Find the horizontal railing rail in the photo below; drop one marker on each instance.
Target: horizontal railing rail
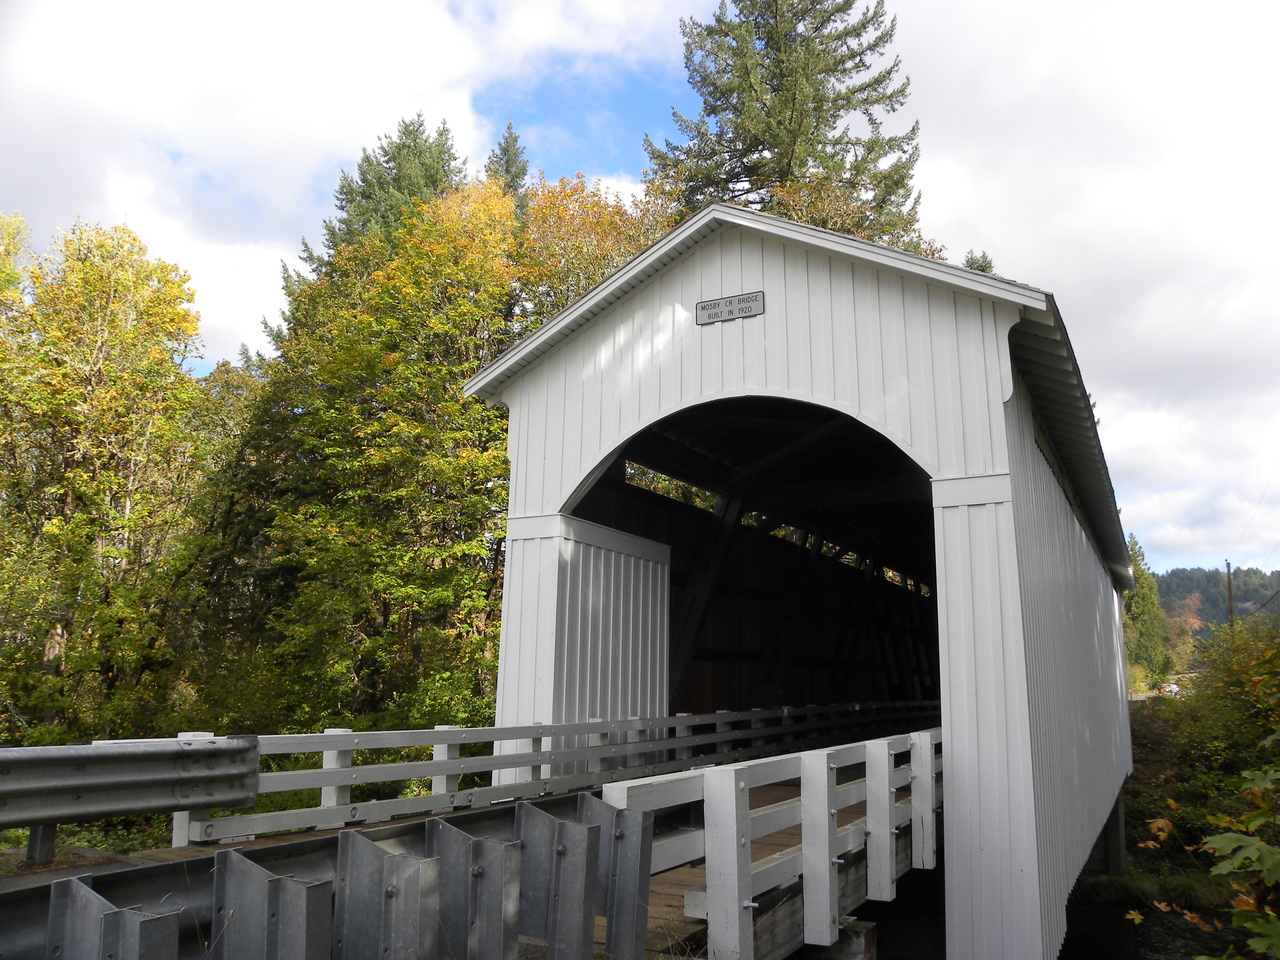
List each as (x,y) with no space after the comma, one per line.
(866,813)
(526,762)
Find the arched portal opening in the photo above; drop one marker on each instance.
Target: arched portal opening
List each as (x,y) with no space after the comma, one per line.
(802,554)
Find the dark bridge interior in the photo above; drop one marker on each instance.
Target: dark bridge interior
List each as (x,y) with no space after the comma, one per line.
(802,561)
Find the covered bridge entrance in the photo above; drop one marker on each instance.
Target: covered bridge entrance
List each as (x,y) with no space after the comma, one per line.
(785,526)
(765,463)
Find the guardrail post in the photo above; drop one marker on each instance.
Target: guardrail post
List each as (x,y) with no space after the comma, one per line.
(924,823)
(818,836)
(880,833)
(41,842)
(730,909)
(445,751)
(183,819)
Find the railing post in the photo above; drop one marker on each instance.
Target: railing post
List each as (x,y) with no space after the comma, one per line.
(757,721)
(723,746)
(543,745)
(924,823)
(880,832)
(730,909)
(597,764)
(818,836)
(445,751)
(337,795)
(634,759)
(183,819)
(683,753)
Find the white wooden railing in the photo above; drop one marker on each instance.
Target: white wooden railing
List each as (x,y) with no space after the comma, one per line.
(888,792)
(535,760)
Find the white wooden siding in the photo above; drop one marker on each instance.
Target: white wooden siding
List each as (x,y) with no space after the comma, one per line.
(1029,644)
(584,626)
(993,905)
(1075,672)
(925,365)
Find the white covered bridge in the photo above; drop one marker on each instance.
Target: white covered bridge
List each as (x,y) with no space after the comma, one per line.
(883,482)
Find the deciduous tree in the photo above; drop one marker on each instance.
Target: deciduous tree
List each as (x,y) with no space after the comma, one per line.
(576,235)
(352,563)
(99,462)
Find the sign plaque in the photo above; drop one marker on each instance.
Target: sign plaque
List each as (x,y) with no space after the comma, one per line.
(730,308)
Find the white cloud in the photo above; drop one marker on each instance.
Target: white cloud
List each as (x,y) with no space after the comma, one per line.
(1111,151)
(1114,152)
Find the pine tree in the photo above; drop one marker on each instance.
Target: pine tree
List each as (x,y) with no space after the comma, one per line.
(781,81)
(388,179)
(1146,628)
(979,261)
(507,162)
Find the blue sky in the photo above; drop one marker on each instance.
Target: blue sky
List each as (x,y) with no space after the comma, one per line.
(1114,152)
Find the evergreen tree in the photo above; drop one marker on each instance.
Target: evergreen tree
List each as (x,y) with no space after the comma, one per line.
(781,81)
(1146,628)
(352,554)
(388,179)
(507,163)
(979,261)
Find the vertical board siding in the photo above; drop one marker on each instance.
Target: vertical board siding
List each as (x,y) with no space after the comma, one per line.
(918,363)
(1075,665)
(993,904)
(526,651)
(584,630)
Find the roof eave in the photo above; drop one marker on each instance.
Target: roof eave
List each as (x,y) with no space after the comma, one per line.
(1042,353)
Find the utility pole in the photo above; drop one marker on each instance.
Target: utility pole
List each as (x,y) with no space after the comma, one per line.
(1231,603)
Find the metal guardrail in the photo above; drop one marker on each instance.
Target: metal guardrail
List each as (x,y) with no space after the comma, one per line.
(41,787)
(463,887)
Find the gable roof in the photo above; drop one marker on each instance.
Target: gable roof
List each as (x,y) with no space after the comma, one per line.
(1039,347)
(488,382)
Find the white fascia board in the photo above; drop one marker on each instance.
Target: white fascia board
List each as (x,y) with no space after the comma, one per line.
(487,383)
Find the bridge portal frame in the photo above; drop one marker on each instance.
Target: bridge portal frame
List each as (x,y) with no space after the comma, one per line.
(973,378)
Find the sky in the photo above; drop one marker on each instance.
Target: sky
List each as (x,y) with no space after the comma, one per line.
(1115,153)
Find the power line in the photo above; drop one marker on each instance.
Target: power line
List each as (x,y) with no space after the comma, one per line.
(1268,600)
(1261,497)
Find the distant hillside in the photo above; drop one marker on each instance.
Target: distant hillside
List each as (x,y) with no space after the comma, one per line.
(1251,588)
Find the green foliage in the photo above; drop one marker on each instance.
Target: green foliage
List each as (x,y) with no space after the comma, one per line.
(1251,588)
(979,261)
(576,234)
(507,165)
(13,247)
(1146,629)
(780,84)
(100,451)
(354,548)
(1187,751)
(1137,680)
(410,166)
